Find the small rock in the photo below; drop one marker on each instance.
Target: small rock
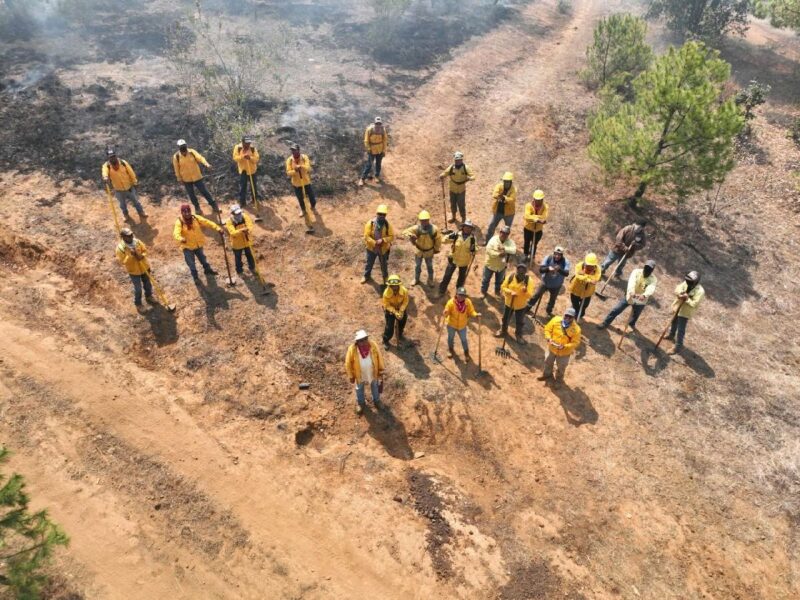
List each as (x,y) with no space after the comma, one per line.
(398,499)
(419,454)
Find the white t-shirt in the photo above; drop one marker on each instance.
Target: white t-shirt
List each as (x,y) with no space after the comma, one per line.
(366,368)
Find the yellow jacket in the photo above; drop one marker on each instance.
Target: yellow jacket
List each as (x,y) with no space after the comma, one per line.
(534,220)
(303,178)
(495,259)
(387,233)
(194,237)
(463,250)
(522,290)
(582,284)
(510,205)
(376,143)
(352,362)
(639,285)
(458,177)
(395,302)
(122,178)
(428,242)
(554,334)
(458,320)
(244,165)
(690,306)
(241,234)
(133,265)
(187,168)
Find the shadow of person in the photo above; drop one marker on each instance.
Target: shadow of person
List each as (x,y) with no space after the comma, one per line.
(320,229)
(269,218)
(600,341)
(389,432)
(215,297)
(163,324)
(413,359)
(265,295)
(577,406)
(646,352)
(144,231)
(697,363)
(392,193)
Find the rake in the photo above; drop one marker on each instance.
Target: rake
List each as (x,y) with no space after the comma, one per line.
(435,354)
(501,350)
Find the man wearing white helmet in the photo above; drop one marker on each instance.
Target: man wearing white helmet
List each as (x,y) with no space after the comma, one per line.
(364,366)
(427,240)
(688,296)
(240,230)
(376,142)
(459,174)
(132,254)
(186,163)
(563,336)
(504,203)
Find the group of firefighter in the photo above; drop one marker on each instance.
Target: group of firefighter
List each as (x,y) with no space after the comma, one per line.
(519,279)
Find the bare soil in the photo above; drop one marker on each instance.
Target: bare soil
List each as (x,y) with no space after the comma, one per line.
(177,449)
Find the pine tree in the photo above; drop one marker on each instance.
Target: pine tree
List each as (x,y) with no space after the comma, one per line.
(27,539)
(702,19)
(677,135)
(781,13)
(619,52)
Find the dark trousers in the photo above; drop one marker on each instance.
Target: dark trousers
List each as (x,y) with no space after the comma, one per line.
(519,319)
(377,159)
(384,262)
(528,237)
(237,257)
(636,310)
(448,275)
(201,186)
(458,200)
(189,257)
(312,199)
(551,300)
(578,302)
(677,331)
(244,180)
(138,282)
(388,331)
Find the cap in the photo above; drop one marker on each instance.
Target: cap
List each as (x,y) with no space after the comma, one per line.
(570,312)
(590,260)
(508,176)
(651,264)
(110,152)
(468,223)
(236,209)
(522,265)
(559,249)
(422,216)
(693,276)
(458,155)
(393,280)
(378,120)
(461,291)
(538,195)
(361,335)
(246,139)
(382,209)
(505,229)
(294,146)
(126,232)
(181,142)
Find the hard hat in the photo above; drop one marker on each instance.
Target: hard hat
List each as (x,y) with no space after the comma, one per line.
(468,223)
(236,209)
(538,195)
(461,291)
(693,276)
(361,335)
(458,156)
(294,146)
(382,209)
(424,215)
(246,139)
(110,152)
(505,229)
(181,142)
(570,312)
(508,176)
(126,232)
(522,265)
(378,120)
(393,280)
(590,260)
(559,250)
(651,264)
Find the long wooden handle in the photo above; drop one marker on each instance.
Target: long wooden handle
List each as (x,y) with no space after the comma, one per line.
(664,333)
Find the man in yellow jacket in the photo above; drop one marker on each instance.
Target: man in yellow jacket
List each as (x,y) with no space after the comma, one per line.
(517,289)
(504,199)
(395,302)
(462,253)
(186,163)
(536,213)
(500,249)
(427,240)
(563,336)
(298,169)
(188,233)
(583,283)
(376,142)
(378,238)
(364,366)
(641,286)
(132,254)
(246,158)
(240,230)
(688,296)
(123,179)
(457,313)
(459,174)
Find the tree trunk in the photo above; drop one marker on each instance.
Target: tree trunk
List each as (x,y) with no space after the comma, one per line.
(633,201)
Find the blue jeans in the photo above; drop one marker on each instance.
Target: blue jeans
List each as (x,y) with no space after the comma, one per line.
(123,197)
(462,334)
(377,159)
(138,281)
(487,277)
(371,258)
(418,267)
(495,221)
(611,258)
(636,310)
(201,186)
(376,395)
(677,331)
(189,256)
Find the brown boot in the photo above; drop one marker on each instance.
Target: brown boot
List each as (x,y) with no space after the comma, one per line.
(450,353)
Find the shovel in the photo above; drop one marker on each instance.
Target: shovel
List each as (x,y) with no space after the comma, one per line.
(599,293)
(159,292)
(308,213)
(113,210)
(435,354)
(231,280)
(256,205)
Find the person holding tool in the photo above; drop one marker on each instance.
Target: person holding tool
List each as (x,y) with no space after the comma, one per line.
(188,232)
(240,230)
(395,302)
(132,254)
(583,283)
(499,251)
(563,335)
(378,238)
(628,241)
(535,219)
(554,269)
(298,169)
(688,296)
(427,240)
(246,158)
(462,253)
(123,179)
(186,163)
(504,198)
(641,286)
(459,174)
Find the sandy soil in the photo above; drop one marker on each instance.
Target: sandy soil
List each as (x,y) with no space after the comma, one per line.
(181,457)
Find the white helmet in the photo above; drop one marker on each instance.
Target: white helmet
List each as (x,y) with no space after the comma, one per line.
(458,156)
